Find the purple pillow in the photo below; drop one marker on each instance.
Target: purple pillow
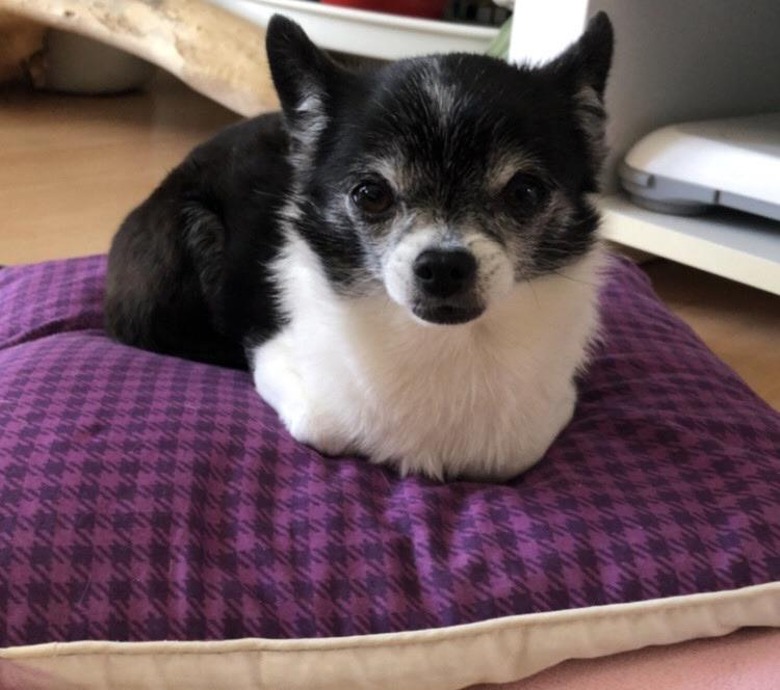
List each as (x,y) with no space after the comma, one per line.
(144,497)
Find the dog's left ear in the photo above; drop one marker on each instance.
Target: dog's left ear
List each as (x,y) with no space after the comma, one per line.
(302,74)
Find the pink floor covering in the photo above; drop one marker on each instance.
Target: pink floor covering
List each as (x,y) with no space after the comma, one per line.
(745,660)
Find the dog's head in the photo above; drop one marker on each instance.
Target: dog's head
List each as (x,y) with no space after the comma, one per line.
(443,180)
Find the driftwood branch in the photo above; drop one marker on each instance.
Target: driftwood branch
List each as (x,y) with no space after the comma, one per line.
(213,51)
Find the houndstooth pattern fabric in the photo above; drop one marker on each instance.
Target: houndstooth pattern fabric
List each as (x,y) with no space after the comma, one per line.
(147,498)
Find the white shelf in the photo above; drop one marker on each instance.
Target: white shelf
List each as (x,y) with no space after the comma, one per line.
(737,246)
(369,34)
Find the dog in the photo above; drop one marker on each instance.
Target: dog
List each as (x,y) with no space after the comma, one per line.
(406,257)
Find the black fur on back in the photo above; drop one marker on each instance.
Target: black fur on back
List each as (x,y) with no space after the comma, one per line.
(188,269)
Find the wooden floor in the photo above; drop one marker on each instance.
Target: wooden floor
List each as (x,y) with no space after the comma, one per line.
(741,324)
(71,167)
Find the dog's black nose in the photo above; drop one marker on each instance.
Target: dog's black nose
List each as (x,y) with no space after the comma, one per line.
(445,272)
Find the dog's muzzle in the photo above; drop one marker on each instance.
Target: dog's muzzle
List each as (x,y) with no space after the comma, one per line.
(445,281)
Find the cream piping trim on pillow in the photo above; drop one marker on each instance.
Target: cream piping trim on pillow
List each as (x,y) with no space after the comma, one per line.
(494,651)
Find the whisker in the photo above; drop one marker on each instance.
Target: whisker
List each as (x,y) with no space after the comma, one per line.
(589,283)
(533,292)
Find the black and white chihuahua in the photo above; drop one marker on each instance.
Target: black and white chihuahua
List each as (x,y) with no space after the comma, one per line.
(406,257)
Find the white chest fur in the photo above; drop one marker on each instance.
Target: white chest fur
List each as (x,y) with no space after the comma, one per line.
(482,400)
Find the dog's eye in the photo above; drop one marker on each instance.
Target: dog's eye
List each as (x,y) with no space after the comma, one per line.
(524,193)
(373,197)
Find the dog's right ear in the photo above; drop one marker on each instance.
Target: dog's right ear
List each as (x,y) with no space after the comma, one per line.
(583,70)
(301,73)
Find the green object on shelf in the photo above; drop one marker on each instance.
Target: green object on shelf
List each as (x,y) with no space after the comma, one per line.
(499,48)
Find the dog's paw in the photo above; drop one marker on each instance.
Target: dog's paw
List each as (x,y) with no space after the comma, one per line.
(318,429)
(279,383)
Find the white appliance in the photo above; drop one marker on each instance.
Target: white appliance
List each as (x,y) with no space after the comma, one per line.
(689,168)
